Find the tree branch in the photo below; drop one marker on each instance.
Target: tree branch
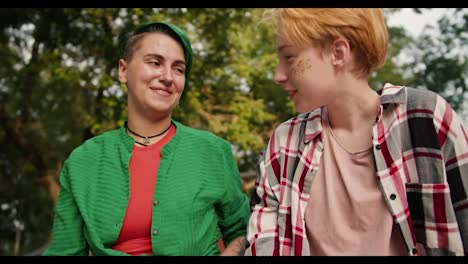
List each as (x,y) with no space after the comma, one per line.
(13,129)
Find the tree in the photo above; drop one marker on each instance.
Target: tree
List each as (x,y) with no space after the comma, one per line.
(438,58)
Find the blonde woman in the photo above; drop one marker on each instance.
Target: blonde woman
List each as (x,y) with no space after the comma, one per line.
(358,171)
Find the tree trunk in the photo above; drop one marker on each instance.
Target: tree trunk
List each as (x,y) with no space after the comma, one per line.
(13,129)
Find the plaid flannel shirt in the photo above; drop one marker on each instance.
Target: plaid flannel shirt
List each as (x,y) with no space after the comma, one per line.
(421,158)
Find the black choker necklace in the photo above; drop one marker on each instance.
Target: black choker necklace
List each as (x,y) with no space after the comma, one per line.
(146,140)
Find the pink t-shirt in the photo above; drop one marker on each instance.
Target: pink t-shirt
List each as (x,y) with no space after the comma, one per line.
(346,213)
(135,237)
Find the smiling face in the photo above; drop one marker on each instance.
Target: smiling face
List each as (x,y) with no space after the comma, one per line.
(155,75)
(306,74)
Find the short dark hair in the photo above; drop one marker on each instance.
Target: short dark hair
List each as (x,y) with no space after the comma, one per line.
(131,42)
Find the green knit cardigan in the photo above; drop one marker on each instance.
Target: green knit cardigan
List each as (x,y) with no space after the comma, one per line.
(198,192)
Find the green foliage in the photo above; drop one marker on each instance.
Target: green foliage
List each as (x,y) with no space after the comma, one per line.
(443,66)
(25,211)
(391,72)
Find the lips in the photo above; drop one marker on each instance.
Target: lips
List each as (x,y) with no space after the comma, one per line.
(161,91)
(291,93)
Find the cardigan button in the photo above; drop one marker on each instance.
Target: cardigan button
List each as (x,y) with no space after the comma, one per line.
(377,146)
(156,202)
(155,232)
(392,196)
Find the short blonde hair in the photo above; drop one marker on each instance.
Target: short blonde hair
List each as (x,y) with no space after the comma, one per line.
(364,28)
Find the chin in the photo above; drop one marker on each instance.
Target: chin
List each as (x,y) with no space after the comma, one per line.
(305,109)
(158,110)
(161,106)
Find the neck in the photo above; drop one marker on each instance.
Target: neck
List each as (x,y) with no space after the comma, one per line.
(148,129)
(146,122)
(355,107)
(144,127)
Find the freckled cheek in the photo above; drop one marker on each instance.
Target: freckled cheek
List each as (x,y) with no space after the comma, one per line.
(301,66)
(296,75)
(300,71)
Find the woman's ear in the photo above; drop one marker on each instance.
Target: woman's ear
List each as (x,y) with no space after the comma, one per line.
(122,71)
(340,52)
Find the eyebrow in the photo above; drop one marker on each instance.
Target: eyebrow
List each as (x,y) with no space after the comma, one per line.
(282,47)
(161,57)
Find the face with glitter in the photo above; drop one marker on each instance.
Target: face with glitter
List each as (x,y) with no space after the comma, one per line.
(306,74)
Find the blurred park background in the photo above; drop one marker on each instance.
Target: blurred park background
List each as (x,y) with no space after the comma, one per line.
(59,87)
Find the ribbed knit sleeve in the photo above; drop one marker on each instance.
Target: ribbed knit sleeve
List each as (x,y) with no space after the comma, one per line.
(235,206)
(68,236)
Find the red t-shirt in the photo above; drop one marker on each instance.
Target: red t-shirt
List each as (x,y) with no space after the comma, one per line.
(135,235)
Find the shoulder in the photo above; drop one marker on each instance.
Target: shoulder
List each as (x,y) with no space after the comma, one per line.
(428,103)
(200,136)
(416,100)
(422,98)
(296,121)
(302,125)
(91,148)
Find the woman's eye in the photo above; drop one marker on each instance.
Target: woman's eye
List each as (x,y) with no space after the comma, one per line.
(290,59)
